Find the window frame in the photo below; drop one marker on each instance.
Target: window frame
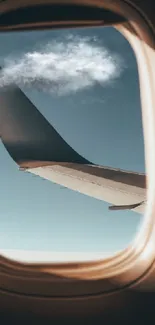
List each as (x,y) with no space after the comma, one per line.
(130,265)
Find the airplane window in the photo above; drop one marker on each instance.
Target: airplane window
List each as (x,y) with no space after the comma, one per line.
(85,84)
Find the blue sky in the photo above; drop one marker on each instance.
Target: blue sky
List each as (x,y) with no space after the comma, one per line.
(93,101)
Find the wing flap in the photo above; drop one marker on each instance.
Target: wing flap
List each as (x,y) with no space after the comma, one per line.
(125,207)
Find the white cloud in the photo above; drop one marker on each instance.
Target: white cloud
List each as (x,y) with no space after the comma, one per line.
(64,66)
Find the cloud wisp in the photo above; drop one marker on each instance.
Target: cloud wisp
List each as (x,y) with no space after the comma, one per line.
(63,67)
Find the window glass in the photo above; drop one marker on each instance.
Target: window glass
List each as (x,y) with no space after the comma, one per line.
(85,83)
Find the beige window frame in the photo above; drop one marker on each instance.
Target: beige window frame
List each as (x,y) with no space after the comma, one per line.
(131,265)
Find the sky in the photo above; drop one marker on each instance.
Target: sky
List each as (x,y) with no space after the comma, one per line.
(85,82)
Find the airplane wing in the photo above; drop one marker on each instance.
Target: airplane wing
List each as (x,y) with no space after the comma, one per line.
(37,148)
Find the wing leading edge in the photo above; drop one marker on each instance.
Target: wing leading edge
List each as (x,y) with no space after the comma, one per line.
(37,148)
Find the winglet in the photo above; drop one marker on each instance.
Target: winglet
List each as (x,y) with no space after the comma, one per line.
(27,135)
